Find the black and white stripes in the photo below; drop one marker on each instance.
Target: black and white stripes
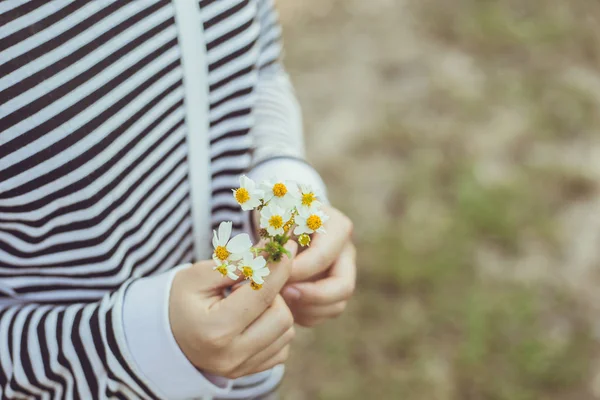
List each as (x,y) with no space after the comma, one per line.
(230,97)
(94,174)
(94,151)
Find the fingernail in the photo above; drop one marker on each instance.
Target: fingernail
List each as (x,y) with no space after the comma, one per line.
(291,293)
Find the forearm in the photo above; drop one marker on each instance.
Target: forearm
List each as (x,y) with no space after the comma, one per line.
(277,130)
(277,133)
(153,347)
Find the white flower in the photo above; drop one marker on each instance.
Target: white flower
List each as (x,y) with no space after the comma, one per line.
(247,196)
(279,192)
(254,269)
(306,197)
(226,249)
(227,270)
(310,221)
(273,218)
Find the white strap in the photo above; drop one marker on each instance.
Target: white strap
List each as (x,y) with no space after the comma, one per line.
(193,58)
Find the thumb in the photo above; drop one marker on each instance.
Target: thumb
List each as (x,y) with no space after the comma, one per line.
(245,304)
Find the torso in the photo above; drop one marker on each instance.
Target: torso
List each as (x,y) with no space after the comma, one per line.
(94,174)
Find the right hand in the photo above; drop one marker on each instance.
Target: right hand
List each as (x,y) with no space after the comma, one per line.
(244,333)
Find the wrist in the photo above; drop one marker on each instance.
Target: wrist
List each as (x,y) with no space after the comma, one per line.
(152,343)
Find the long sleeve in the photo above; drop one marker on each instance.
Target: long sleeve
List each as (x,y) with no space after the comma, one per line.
(277,129)
(154,348)
(277,133)
(119,346)
(68,351)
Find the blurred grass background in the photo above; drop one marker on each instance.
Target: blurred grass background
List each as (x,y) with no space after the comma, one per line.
(463,138)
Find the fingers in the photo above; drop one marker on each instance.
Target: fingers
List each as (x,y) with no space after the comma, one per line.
(309,322)
(268,328)
(328,311)
(324,248)
(244,305)
(277,359)
(338,286)
(251,365)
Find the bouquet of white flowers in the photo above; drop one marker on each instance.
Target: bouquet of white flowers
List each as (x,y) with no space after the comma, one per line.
(287,211)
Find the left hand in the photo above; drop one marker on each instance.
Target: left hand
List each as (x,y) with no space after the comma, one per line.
(323,276)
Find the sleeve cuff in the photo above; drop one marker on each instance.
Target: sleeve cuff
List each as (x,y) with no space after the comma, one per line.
(153,347)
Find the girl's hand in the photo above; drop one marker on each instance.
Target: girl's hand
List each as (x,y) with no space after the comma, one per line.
(323,276)
(247,332)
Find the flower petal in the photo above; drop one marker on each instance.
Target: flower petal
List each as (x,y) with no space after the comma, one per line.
(300,230)
(268,195)
(258,263)
(232,276)
(272,231)
(247,207)
(239,244)
(266,212)
(258,279)
(254,201)
(264,222)
(247,258)
(303,213)
(215,241)
(262,272)
(247,183)
(286,215)
(236,257)
(224,232)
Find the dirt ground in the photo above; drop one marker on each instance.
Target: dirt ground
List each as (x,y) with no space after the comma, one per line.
(463,138)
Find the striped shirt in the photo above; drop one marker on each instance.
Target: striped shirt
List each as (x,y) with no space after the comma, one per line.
(124,125)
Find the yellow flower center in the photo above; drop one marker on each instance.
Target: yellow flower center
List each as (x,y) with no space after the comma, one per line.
(222,269)
(314,222)
(276,221)
(221,253)
(307,199)
(247,271)
(242,195)
(304,240)
(255,286)
(279,189)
